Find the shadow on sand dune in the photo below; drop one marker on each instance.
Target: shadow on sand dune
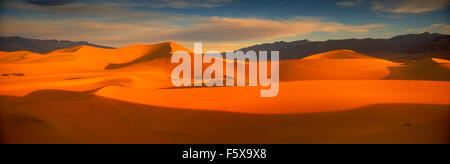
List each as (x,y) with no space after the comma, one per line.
(78,117)
(426,69)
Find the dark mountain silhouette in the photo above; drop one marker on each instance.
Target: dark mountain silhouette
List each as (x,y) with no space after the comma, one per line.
(412,46)
(39,46)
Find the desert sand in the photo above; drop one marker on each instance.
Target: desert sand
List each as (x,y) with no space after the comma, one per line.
(94,95)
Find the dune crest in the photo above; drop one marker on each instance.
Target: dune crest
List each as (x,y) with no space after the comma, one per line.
(138,54)
(440,61)
(444,63)
(18,56)
(339,54)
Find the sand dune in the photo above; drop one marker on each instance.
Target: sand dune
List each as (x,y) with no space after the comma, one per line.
(442,62)
(145,53)
(94,95)
(90,68)
(10,57)
(335,65)
(86,59)
(339,54)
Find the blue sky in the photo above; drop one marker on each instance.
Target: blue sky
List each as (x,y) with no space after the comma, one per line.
(220,24)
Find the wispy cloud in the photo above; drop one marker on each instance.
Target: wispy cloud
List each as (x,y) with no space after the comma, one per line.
(148,3)
(50,2)
(113,12)
(409,6)
(348,3)
(188,3)
(72,8)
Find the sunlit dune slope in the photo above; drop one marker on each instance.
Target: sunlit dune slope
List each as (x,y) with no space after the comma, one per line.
(442,62)
(10,57)
(145,53)
(85,59)
(339,54)
(335,65)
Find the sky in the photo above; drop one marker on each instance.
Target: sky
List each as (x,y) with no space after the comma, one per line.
(220,25)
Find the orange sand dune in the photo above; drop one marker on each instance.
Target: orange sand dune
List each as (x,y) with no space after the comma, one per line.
(85,68)
(339,54)
(442,62)
(10,57)
(335,65)
(86,59)
(145,53)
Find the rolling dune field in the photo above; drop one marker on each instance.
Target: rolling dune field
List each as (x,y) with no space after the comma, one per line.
(95,95)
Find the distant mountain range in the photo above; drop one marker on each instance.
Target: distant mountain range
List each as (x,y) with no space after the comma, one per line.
(412,46)
(40,46)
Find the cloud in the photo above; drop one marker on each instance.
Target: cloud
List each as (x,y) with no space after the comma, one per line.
(113,12)
(179,4)
(50,2)
(439,28)
(236,29)
(66,8)
(347,3)
(409,6)
(207,29)
(188,3)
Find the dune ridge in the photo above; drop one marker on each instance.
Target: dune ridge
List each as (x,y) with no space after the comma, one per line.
(339,54)
(335,65)
(10,57)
